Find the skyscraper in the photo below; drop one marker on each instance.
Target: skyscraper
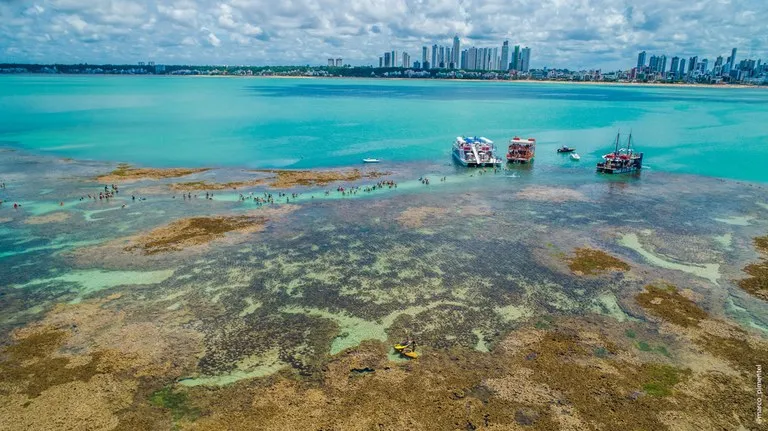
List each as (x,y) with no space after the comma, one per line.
(455,51)
(525,59)
(424,54)
(675,65)
(653,64)
(406,60)
(394,58)
(441,57)
(448,57)
(733,58)
(387,59)
(515,63)
(641,60)
(662,64)
(692,63)
(505,55)
(381,62)
(434,57)
(681,71)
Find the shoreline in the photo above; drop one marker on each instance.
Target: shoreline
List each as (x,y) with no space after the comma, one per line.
(509,81)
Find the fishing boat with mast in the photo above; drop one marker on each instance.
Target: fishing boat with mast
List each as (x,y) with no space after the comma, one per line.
(521,150)
(475,152)
(621,160)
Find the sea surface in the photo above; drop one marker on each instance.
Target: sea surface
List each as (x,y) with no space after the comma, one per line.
(309,123)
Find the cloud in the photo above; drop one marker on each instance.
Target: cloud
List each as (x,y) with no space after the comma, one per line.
(561,33)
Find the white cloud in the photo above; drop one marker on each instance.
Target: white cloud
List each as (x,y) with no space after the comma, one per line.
(583,33)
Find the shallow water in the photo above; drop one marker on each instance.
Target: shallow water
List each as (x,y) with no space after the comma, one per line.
(306,123)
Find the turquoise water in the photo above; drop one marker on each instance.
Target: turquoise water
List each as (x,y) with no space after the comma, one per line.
(303,123)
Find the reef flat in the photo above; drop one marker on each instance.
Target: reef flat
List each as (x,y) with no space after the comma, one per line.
(535,304)
(126,173)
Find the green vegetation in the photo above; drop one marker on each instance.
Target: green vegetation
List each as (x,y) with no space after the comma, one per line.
(661,378)
(588,261)
(667,303)
(176,402)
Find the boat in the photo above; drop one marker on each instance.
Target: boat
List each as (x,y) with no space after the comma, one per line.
(566,149)
(475,152)
(371,160)
(521,150)
(621,160)
(575,156)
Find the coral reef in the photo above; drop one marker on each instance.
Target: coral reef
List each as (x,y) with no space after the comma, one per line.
(588,261)
(757,283)
(56,217)
(550,194)
(284,179)
(206,185)
(125,173)
(194,231)
(669,305)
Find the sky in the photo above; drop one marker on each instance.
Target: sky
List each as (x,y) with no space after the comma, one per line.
(575,34)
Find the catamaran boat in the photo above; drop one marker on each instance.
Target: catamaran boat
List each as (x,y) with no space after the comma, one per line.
(521,150)
(621,160)
(475,152)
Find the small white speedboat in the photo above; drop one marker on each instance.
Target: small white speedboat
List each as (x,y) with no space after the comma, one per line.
(371,160)
(575,156)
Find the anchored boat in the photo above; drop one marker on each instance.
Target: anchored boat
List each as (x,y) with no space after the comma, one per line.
(521,150)
(621,160)
(475,152)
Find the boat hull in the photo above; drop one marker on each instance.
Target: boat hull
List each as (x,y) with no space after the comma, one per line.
(519,160)
(462,162)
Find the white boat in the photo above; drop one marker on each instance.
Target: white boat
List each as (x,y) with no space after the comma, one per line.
(575,156)
(370,160)
(475,152)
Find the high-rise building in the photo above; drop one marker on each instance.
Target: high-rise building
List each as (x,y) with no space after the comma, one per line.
(394,58)
(406,59)
(381,62)
(505,55)
(681,71)
(387,59)
(441,57)
(338,62)
(455,51)
(675,65)
(733,58)
(515,63)
(330,62)
(653,64)
(434,57)
(641,60)
(525,60)
(692,63)
(662,63)
(495,59)
(448,57)
(704,65)
(424,54)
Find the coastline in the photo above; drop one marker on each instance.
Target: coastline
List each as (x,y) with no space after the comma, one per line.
(508,81)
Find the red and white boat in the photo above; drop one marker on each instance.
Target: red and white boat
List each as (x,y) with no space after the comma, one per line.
(521,150)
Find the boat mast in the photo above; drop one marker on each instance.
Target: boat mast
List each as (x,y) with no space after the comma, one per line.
(629,143)
(616,151)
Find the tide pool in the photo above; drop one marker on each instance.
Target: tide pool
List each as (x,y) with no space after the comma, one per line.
(309,123)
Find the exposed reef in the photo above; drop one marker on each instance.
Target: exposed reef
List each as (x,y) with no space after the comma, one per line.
(206,185)
(284,179)
(192,231)
(588,261)
(757,283)
(125,173)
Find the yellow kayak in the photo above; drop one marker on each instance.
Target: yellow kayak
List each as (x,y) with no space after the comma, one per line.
(399,347)
(412,355)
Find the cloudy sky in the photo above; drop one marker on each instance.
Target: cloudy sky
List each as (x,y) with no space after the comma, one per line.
(561,33)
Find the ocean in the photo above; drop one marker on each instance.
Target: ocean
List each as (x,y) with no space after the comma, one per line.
(311,123)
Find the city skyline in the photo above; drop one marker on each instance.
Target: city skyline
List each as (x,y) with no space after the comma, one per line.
(590,34)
